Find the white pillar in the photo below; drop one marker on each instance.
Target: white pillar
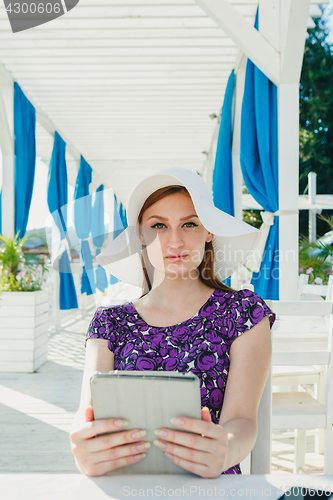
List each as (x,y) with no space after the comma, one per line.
(312,185)
(236,166)
(55,277)
(210,161)
(288,137)
(8,160)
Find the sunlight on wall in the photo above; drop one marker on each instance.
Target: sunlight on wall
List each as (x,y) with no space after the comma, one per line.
(39,210)
(39,215)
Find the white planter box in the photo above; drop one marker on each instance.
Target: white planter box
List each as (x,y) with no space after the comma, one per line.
(24,323)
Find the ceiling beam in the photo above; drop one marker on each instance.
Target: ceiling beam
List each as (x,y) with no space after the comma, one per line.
(223,41)
(294,20)
(116,34)
(117,52)
(133,59)
(41,117)
(247,38)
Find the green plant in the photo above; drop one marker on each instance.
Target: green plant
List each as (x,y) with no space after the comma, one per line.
(316,258)
(253,218)
(19,272)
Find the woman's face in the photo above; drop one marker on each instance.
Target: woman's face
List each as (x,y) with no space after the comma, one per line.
(171,228)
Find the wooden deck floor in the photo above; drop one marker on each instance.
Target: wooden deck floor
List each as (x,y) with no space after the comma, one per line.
(36,411)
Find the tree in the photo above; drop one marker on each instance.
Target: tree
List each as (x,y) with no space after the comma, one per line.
(316,111)
(316,119)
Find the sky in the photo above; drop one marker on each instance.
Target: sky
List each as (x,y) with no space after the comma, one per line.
(39,215)
(328,16)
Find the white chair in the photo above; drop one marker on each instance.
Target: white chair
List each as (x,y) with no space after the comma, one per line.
(259,460)
(299,410)
(308,291)
(290,378)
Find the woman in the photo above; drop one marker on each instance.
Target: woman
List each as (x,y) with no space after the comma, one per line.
(179,247)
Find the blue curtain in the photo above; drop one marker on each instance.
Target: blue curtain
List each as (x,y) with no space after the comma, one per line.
(117,229)
(122,213)
(259,164)
(57,199)
(25,157)
(82,224)
(125,220)
(97,233)
(223,189)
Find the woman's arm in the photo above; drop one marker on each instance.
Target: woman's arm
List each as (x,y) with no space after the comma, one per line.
(250,359)
(97,449)
(98,358)
(209,449)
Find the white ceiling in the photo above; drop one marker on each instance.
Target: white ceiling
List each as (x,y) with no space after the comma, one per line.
(130,83)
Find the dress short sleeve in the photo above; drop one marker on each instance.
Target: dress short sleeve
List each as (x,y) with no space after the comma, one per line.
(251,310)
(102,327)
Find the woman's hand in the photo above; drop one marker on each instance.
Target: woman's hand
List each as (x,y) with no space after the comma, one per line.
(96,456)
(203,450)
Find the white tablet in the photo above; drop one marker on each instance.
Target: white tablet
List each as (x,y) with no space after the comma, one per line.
(148,400)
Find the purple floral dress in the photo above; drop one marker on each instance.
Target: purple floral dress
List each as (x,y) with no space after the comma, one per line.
(200,345)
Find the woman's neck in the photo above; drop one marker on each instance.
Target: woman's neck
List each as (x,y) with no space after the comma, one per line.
(177,294)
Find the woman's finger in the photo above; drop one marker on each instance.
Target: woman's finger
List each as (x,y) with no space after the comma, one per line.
(205,414)
(198,469)
(112,440)
(92,428)
(100,469)
(189,440)
(189,454)
(89,414)
(194,425)
(120,452)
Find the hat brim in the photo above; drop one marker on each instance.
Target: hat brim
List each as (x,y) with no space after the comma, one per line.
(233,241)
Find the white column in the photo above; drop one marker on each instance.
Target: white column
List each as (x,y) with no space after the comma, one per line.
(109,209)
(210,161)
(236,166)
(8,163)
(293,26)
(288,137)
(312,185)
(55,277)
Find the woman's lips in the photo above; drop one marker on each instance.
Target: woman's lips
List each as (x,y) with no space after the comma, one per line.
(177,259)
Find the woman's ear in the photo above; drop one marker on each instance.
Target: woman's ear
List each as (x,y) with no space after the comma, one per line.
(141,236)
(209,237)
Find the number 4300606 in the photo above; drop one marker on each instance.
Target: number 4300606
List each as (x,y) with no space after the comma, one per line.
(33,8)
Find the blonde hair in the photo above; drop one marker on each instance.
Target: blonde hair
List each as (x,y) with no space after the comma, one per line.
(206,267)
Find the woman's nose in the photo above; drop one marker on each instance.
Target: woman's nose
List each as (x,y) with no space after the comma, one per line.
(175,238)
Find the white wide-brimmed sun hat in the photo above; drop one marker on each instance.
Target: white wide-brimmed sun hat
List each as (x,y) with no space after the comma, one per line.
(233,241)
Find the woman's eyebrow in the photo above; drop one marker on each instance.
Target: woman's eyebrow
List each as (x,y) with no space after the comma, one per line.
(165,218)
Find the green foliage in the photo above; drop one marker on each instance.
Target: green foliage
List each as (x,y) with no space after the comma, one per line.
(11,253)
(19,272)
(252,217)
(316,111)
(316,259)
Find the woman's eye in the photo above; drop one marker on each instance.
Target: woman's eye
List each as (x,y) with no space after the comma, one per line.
(161,224)
(193,224)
